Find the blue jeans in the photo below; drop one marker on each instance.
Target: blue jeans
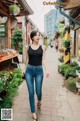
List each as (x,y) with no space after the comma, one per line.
(34,73)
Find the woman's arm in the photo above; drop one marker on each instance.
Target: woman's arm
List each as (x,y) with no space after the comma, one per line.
(27,57)
(44,62)
(43,58)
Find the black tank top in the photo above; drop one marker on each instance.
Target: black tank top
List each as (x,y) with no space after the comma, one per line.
(35,56)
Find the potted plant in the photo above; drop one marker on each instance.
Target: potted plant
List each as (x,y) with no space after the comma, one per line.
(14,9)
(72,72)
(61,50)
(71,84)
(66,43)
(61,59)
(17,38)
(73,64)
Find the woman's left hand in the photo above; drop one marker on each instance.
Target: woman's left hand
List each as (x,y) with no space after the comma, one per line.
(47,74)
(23,73)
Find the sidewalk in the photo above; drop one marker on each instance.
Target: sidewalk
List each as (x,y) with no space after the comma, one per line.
(58,104)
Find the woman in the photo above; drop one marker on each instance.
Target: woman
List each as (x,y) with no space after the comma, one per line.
(34,71)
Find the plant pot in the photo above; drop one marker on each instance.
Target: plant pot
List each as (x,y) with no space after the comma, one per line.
(78,84)
(77,72)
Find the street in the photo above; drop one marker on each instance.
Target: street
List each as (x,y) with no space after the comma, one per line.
(58,104)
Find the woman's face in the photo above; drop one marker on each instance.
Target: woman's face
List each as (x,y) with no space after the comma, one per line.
(36,37)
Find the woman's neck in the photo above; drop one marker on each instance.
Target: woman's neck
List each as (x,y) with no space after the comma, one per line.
(35,43)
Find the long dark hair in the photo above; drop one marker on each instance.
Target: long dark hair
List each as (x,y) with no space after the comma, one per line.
(32,34)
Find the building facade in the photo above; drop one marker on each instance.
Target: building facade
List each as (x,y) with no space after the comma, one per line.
(50,20)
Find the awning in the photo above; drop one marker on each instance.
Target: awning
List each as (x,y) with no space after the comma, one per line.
(72,4)
(74,14)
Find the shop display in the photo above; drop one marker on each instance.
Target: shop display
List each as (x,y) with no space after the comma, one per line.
(7,54)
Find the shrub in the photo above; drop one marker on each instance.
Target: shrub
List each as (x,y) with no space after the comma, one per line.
(61,59)
(13,81)
(20,48)
(72,72)
(71,84)
(66,73)
(64,67)
(74,64)
(5,78)
(66,43)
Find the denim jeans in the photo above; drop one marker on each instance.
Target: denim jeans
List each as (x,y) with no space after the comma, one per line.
(34,74)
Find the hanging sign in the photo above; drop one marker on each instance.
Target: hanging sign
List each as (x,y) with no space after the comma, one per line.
(2,30)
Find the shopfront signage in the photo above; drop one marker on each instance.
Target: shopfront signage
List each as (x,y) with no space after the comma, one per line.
(2,30)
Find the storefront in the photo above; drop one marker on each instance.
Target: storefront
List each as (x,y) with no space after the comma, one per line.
(8,22)
(73,8)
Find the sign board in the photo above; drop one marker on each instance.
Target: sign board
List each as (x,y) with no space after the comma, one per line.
(2,30)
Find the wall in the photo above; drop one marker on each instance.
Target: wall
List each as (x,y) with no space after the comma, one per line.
(3,43)
(77,40)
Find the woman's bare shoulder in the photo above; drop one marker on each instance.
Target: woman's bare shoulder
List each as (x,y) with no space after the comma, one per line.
(27,47)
